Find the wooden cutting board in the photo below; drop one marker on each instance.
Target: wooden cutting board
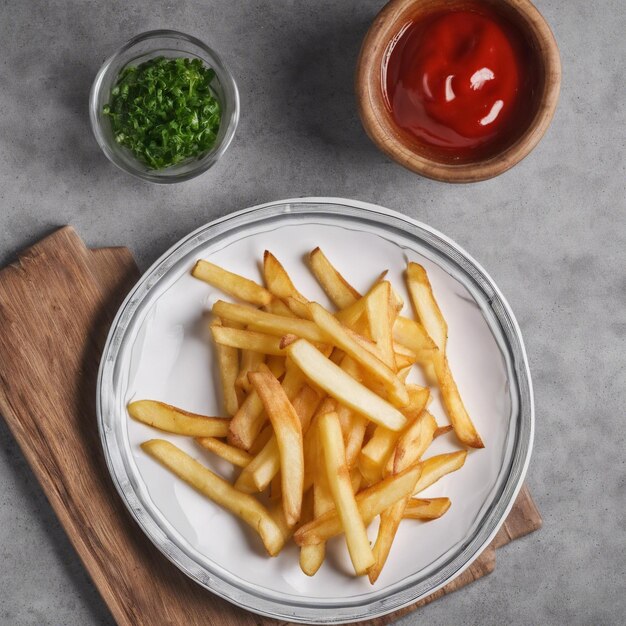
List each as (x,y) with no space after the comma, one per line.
(56,305)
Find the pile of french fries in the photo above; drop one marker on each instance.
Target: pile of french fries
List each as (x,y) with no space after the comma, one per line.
(322,422)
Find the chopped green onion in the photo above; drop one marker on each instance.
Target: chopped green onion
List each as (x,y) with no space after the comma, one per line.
(165,111)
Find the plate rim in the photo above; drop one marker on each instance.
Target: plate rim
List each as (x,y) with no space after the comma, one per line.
(270,607)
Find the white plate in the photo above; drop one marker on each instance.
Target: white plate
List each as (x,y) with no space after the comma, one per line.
(158,348)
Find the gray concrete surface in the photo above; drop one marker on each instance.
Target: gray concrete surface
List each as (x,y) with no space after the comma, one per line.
(552,233)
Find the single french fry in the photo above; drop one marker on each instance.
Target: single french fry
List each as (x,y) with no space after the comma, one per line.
(288,433)
(461,422)
(412,443)
(341,386)
(340,487)
(247,340)
(229,453)
(426,306)
(337,288)
(435,467)
(250,362)
(371,502)
(228,366)
(342,338)
(278,280)
(389,521)
(269,323)
(380,318)
(232,284)
(174,420)
(426,508)
(217,489)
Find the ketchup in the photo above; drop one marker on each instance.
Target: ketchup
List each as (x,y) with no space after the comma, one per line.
(460,82)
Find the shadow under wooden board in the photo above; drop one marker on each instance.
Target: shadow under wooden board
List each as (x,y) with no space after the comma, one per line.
(56,305)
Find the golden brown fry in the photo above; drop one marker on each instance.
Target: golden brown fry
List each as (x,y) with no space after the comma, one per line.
(173,420)
(412,443)
(229,453)
(389,521)
(232,284)
(277,279)
(426,306)
(435,467)
(247,340)
(341,386)
(435,325)
(217,489)
(426,508)
(337,288)
(288,433)
(461,421)
(228,366)
(379,315)
(269,323)
(340,487)
(248,421)
(343,338)
(371,502)
(250,362)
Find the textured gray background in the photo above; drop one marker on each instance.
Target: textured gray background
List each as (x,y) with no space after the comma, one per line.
(552,233)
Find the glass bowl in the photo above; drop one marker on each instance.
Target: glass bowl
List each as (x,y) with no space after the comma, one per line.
(169,44)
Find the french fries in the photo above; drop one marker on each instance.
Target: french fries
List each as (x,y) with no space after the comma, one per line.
(172,420)
(340,486)
(268,322)
(288,433)
(324,422)
(341,386)
(371,502)
(206,482)
(247,340)
(342,338)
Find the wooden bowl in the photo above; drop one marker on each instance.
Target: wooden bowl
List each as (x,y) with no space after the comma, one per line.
(401,147)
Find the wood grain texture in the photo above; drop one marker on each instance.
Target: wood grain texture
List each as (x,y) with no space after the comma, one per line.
(56,305)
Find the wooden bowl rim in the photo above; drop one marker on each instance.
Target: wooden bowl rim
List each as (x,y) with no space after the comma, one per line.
(376,121)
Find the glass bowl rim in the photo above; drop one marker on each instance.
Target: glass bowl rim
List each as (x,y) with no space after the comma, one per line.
(226,79)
